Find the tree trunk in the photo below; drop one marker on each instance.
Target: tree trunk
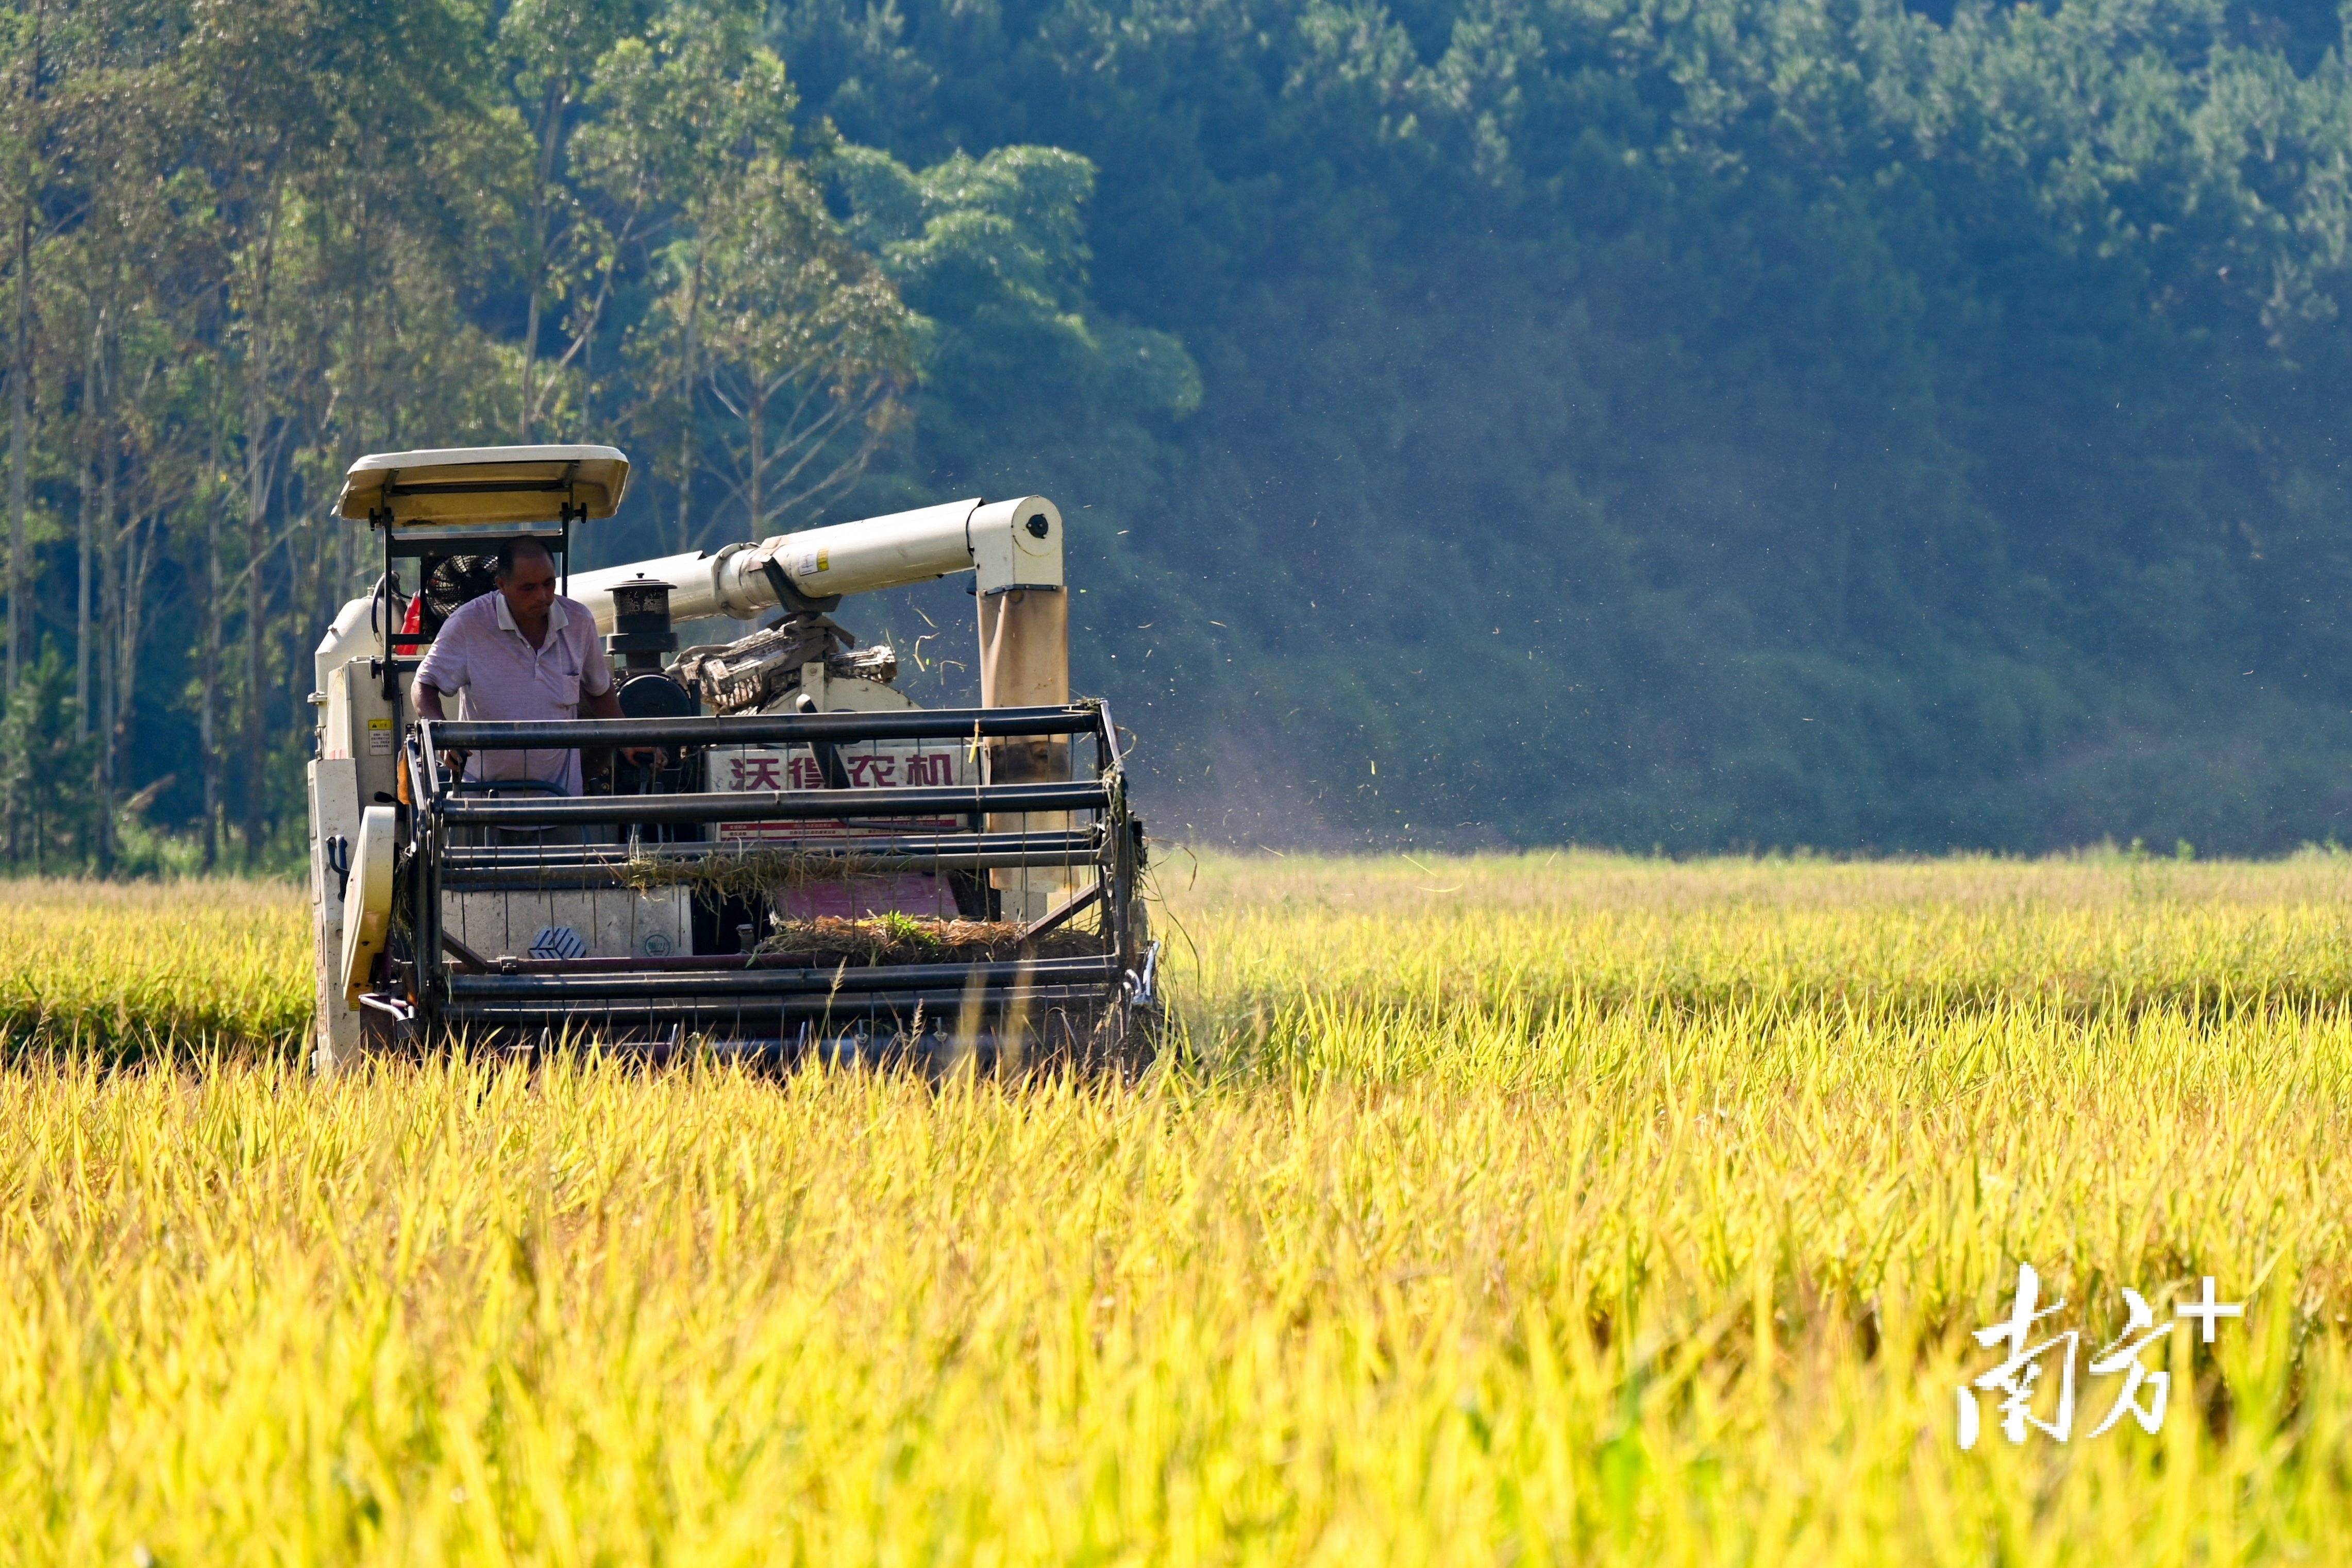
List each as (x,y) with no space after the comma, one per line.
(109,655)
(20,419)
(20,379)
(686,385)
(139,548)
(756,427)
(551,113)
(208,704)
(251,743)
(306,563)
(86,569)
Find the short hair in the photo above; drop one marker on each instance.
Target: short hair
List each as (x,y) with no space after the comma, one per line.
(513,550)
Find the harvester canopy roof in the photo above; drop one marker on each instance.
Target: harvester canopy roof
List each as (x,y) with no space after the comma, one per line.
(475,485)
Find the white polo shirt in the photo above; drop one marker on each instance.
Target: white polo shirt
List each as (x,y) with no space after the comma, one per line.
(482,659)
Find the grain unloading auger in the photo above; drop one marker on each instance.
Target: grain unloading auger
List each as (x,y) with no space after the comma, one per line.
(775,853)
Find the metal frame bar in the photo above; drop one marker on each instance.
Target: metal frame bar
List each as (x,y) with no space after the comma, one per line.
(1080,843)
(768,730)
(943,1006)
(570,868)
(799,981)
(772,805)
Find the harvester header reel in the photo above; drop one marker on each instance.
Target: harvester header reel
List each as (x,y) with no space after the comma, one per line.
(1059,985)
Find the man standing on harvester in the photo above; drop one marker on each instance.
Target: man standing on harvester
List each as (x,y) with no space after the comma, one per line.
(523,651)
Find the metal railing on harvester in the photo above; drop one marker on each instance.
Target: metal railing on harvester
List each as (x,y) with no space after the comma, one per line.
(1085,842)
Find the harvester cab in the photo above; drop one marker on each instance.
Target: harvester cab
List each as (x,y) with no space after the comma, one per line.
(774,853)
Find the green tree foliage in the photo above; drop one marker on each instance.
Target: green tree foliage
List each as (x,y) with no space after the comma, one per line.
(44,805)
(260,239)
(993,249)
(1742,422)
(1755,421)
(806,350)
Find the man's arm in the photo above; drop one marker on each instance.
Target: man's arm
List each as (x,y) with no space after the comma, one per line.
(606,703)
(428,706)
(441,671)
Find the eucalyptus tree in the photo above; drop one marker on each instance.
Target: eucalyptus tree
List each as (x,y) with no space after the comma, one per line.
(27,132)
(684,112)
(552,51)
(806,349)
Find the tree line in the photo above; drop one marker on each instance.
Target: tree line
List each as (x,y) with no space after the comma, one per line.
(1701,423)
(1727,422)
(252,239)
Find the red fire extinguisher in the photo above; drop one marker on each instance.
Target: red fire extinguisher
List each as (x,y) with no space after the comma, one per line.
(411,635)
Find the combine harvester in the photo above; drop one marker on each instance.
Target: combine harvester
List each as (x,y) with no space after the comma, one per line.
(777,855)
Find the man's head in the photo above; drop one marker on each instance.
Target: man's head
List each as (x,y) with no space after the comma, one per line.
(526,575)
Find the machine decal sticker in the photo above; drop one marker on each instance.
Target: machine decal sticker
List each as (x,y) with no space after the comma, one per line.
(878,766)
(558,942)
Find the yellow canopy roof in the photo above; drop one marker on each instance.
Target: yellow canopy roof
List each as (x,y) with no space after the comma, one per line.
(478,484)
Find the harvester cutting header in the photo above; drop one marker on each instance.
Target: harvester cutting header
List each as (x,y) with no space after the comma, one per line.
(756,845)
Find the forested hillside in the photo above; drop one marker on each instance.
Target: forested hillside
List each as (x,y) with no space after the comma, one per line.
(1705,424)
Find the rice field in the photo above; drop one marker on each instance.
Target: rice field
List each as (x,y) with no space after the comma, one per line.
(1554,1208)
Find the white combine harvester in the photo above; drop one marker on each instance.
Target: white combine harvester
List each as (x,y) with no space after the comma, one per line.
(805,862)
